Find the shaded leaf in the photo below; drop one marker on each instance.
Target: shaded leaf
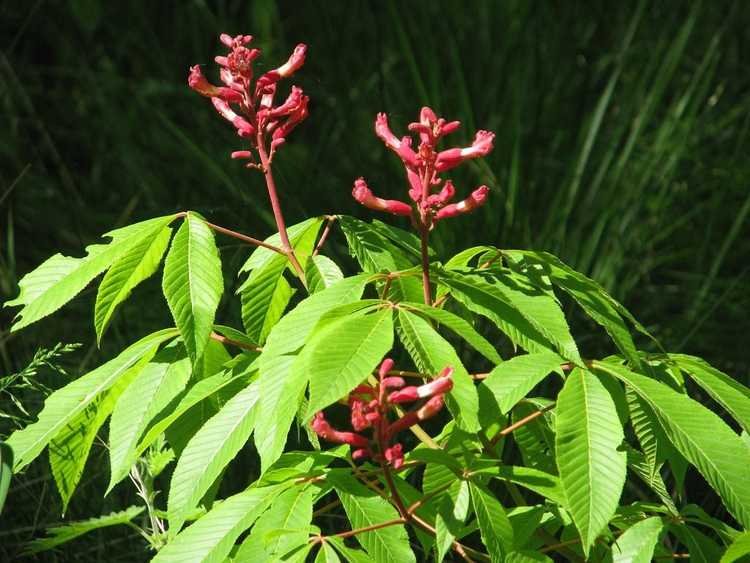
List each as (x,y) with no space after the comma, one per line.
(494,525)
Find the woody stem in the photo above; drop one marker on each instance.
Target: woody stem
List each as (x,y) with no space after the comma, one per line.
(276,207)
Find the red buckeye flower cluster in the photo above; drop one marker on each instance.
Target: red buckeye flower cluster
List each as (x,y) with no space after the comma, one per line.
(250,107)
(430,193)
(370,405)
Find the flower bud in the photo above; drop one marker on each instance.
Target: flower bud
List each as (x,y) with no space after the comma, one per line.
(395,455)
(430,408)
(295,62)
(387,364)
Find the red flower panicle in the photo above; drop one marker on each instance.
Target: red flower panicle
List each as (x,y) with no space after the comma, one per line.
(430,193)
(370,407)
(249,106)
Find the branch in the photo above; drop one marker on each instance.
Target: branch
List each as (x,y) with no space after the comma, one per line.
(245,238)
(518,424)
(350,533)
(224,340)
(324,236)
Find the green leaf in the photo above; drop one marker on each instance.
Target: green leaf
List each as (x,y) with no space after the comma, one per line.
(729,393)
(530,316)
(187,400)
(542,483)
(321,272)
(327,554)
(133,267)
(294,329)
(535,439)
(154,387)
(701,548)
(6,471)
(494,526)
(366,508)
(699,435)
(282,389)
(69,449)
(265,294)
(208,452)
(592,470)
(740,548)
(637,544)
(58,535)
(350,554)
(281,528)
(65,404)
(638,464)
(431,353)
(461,327)
(512,380)
(654,443)
(344,353)
(592,297)
(262,256)
(193,283)
(376,253)
(211,538)
(60,278)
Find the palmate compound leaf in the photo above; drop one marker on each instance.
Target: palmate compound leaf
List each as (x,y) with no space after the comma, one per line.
(212,537)
(208,452)
(69,449)
(529,315)
(60,278)
(65,404)
(699,435)
(265,294)
(160,381)
(365,508)
(193,283)
(130,269)
(592,470)
(344,353)
(431,353)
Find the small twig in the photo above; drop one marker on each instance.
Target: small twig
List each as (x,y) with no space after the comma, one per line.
(245,238)
(350,533)
(324,236)
(516,425)
(224,340)
(387,287)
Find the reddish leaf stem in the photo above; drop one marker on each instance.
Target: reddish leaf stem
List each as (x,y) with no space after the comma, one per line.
(245,238)
(324,236)
(224,340)
(516,425)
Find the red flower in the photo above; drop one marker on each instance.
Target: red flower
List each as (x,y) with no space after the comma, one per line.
(370,407)
(422,167)
(250,107)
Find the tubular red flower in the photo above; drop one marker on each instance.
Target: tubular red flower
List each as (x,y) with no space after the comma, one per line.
(441,384)
(443,197)
(482,145)
(244,128)
(402,148)
(295,62)
(477,198)
(430,408)
(364,195)
(387,364)
(321,427)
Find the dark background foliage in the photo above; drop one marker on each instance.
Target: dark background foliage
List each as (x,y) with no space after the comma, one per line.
(622,146)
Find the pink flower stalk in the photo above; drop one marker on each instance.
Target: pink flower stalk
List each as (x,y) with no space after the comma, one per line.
(370,407)
(249,106)
(423,166)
